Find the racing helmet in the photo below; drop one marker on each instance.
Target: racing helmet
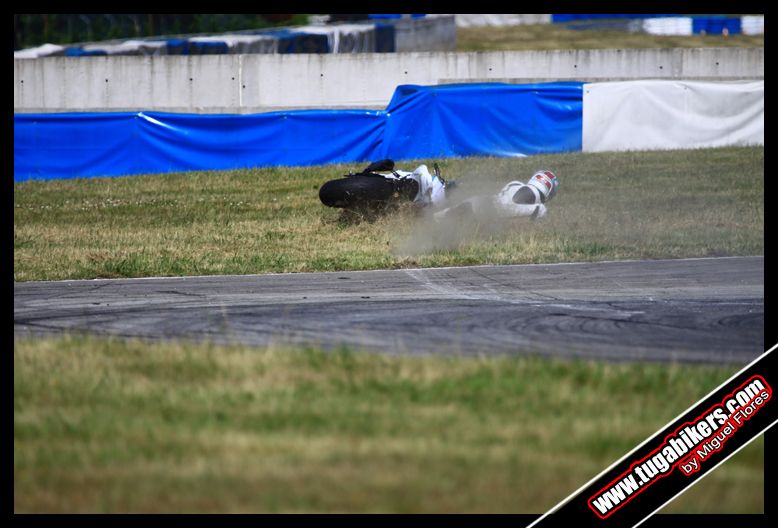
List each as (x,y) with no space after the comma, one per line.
(546,183)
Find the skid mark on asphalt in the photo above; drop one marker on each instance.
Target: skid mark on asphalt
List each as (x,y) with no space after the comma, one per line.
(670,310)
(448,289)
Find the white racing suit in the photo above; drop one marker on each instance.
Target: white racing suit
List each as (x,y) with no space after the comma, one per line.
(432,189)
(515,199)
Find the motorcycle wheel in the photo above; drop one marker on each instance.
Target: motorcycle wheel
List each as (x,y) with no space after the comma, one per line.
(357,191)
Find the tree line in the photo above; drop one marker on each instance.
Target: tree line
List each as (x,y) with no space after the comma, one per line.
(32,30)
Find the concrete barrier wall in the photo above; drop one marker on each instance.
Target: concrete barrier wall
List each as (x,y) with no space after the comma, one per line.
(431,33)
(262,83)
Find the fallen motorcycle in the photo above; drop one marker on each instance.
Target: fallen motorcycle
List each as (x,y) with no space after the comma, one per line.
(379,185)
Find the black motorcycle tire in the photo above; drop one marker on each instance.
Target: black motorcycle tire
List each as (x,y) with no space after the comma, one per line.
(357,191)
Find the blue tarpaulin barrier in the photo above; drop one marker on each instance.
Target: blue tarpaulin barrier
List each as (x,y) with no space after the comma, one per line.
(290,41)
(572,17)
(483,119)
(701,24)
(81,52)
(48,146)
(384,38)
(392,16)
(715,25)
(52,146)
(419,122)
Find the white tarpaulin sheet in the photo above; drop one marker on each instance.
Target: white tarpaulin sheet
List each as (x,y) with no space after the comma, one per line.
(238,43)
(131,47)
(346,38)
(46,50)
(752,24)
(480,20)
(668,26)
(659,114)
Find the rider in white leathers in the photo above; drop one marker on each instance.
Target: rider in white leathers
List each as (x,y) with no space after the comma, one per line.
(514,199)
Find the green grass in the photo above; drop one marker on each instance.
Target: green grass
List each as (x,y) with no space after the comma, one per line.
(109,425)
(239,429)
(610,206)
(560,36)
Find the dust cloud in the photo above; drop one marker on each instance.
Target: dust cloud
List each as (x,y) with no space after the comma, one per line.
(467,216)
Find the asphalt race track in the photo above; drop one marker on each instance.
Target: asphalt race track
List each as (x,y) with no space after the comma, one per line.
(699,310)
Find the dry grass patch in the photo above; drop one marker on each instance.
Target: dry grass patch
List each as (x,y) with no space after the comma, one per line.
(610,206)
(562,36)
(110,425)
